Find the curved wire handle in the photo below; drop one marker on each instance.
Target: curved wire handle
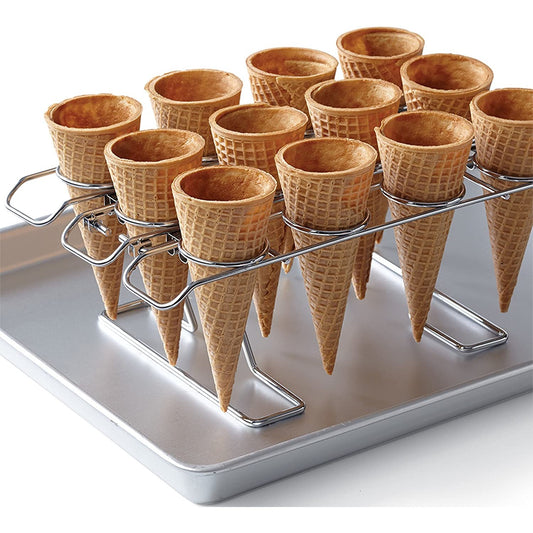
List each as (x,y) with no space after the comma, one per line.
(38,222)
(125,242)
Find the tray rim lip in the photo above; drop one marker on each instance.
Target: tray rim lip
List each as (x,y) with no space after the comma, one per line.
(264,454)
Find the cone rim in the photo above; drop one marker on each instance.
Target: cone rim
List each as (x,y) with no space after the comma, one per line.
(359,169)
(376,58)
(330,61)
(122,161)
(150,88)
(406,79)
(245,136)
(425,148)
(136,115)
(259,198)
(475,109)
(309,97)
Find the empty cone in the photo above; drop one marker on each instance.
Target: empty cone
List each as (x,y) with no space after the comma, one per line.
(444,82)
(377,208)
(377,52)
(326,183)
(143,166)
(185,99)
(251,135)
(353,108)
(503,126)
(80,128)
(424,155)
(280,76)
(223,213)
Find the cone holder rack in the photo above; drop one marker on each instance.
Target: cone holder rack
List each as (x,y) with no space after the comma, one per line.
(140,248)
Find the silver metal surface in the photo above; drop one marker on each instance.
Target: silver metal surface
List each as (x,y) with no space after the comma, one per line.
(384,385)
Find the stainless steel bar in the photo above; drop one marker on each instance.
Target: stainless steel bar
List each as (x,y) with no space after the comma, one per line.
(500,336)
(297,404)
(295,253)
(44,221)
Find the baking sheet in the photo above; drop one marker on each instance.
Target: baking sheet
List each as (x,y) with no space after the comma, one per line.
(384,384)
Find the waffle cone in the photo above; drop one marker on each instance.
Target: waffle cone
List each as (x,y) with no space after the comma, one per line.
(503,125)
(185,99)
(80,128)
(377,207)
(326,184)
(351,108)
(143,166)
(251,135)
(377,52)
(223,213)
(444,82)
(424,155)
(280,76)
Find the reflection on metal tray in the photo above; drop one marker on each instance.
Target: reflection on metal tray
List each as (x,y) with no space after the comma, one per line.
(384,384)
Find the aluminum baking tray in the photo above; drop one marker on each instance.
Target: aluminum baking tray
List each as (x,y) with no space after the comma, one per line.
(384,385)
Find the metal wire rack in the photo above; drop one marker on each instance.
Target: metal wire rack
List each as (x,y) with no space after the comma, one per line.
(141,248)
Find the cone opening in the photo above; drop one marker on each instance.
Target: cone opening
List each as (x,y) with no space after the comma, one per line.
(195,86)
(230,184)
(258,119)
(447,72)
(151,146)
(359,93)
(297,62)
(94,111)
(381,42)
(427,128)
(328,155)
(506,104)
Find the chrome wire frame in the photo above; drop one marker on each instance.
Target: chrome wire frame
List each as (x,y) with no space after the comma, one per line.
(98,189)
(297,406)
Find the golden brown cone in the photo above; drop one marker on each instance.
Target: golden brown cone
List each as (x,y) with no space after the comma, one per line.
(185,99)
(444,82)
(503,126)
(377,52)
(424,155)
(377,208)
(223,213)
(326,183)
(80,128)
(143,166)
(352,108)
(250,135)
(280,76)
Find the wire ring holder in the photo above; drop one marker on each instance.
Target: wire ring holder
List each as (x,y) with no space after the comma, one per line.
(297,404)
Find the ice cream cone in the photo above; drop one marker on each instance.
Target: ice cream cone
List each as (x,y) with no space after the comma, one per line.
(143,166)
(503,126)
(251,135)
(185,99)
(424,155)
(444,82)
(377,52)
(326,183)
(80,128)
(353,108)
(223,213)
(280,76)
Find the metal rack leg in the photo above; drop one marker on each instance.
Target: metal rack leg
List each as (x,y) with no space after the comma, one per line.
(190,324)
(499,336)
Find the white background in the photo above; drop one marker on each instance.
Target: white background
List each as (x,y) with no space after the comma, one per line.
(59,474)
